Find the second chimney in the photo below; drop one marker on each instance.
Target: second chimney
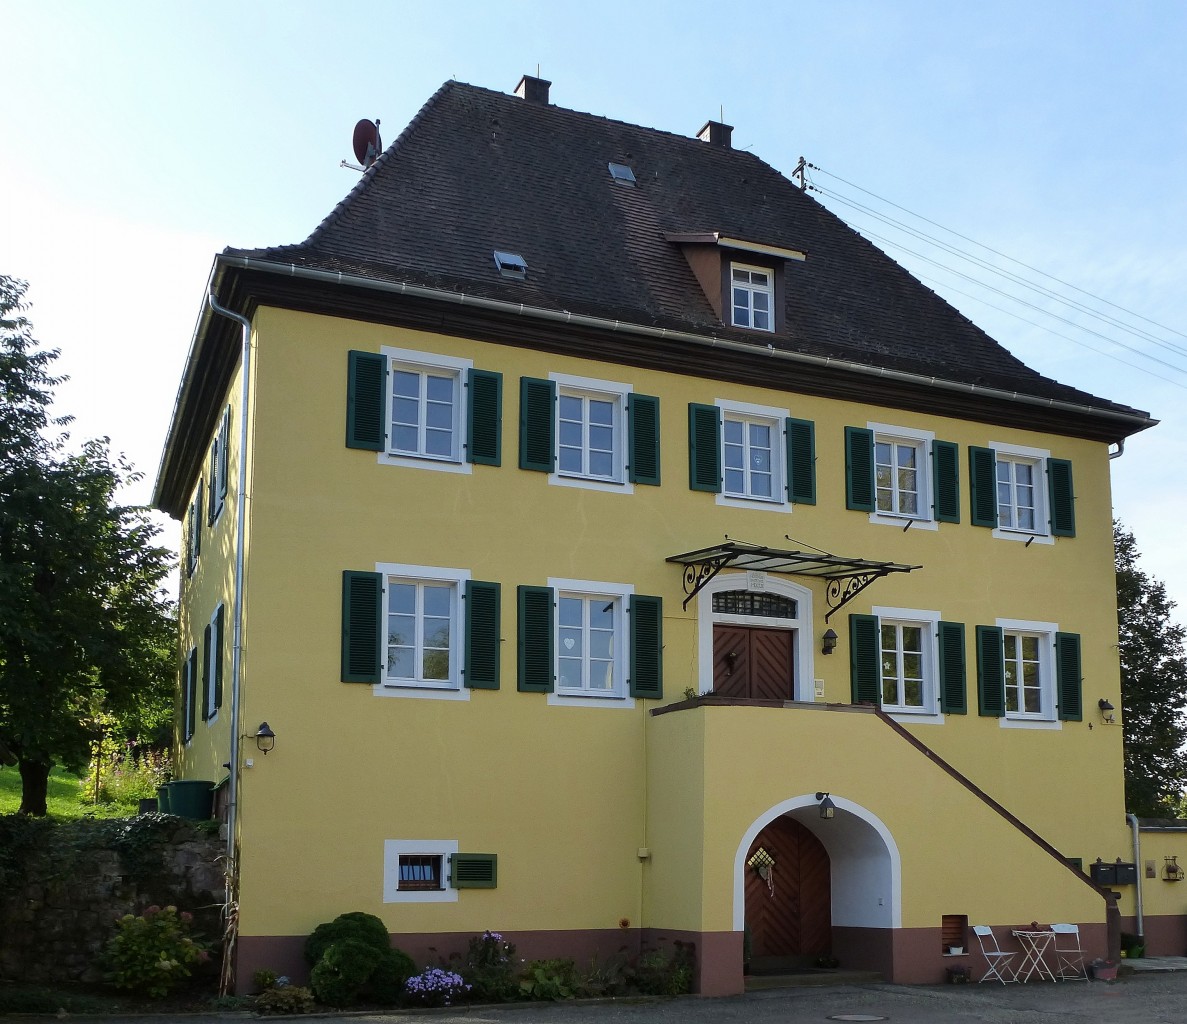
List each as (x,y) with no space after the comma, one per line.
(716,134)
(534,90)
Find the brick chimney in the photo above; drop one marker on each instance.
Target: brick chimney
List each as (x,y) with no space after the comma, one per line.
(534,90)
(716,134)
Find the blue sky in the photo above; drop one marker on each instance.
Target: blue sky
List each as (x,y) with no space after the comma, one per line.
(145,137)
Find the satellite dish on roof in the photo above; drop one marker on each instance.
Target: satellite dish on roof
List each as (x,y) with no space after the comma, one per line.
(367,144)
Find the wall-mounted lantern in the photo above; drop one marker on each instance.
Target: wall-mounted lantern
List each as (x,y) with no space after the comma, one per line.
(828,641)
(827,808)
(265,738)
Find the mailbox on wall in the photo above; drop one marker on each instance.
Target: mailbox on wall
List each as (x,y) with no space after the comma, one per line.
(1117,873)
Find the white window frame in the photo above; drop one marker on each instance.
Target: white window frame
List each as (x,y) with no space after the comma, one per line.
(752,289)
(928,621)
(803,650)
(394,849)
(427,362)
(620,594)
(1038,457)
(452,688)
(921,441)
(193,539)
(776,419)
(589,387)
(1047,717)
(212,659)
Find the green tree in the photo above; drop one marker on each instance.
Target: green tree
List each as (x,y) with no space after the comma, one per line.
(1153,686)
(85,628)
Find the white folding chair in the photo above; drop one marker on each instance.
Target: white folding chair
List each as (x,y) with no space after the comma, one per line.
(996,959)
(1069,958)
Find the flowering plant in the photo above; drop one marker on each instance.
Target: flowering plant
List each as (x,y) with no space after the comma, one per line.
(152,953)
(435,987)
(489,964)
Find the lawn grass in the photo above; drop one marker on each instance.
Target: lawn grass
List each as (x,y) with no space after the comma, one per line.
(63,797)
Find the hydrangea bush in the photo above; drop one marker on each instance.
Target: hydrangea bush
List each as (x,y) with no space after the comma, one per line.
(152,954)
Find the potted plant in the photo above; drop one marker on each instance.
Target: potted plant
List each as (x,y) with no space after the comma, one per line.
(1104,970)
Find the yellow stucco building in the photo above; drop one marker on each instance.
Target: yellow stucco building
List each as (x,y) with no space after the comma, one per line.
(620,549)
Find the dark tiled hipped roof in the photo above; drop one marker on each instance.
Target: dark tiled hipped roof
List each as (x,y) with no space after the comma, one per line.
(478,170)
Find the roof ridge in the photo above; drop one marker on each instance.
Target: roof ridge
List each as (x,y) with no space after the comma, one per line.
(347,200)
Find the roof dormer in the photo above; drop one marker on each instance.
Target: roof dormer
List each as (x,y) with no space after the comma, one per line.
(744,281)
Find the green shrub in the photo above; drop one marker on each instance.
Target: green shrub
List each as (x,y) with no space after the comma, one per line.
(291,999)
(365,928)
(264,979)
(342,971)
(489,966)
(658,972)
(386,984)
(549,979)
(152,954)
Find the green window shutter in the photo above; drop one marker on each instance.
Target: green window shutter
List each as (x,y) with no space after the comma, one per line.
(191,694)
(220,644)
(865,658)
(982,486)
(189,541)
(205,671)
(474,870)
(224,453)
(366,402)
(1068,680)
(647,647)
(198,522)
(991,672)
(859,469)
(953,698)
(481,669)
(362,628)
(213,505)
(945,468)
(484,430)
(801,461)
(642,413)
(535,639)
(1063,502)
(704,448)
(537,424)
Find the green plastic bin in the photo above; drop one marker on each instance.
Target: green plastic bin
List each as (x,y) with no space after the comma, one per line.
(191,798)
(163,799)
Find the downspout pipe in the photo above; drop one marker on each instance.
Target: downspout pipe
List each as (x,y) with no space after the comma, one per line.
(1140,924)
(237,596)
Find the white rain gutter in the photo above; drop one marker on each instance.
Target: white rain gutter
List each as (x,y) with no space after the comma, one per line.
(237,597)
(1137,863)
(563,316)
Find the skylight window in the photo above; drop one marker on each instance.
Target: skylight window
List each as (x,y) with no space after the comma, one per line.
(511,264)
(621,172)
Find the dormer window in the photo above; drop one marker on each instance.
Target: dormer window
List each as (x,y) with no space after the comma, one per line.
(751,297)
(511,264)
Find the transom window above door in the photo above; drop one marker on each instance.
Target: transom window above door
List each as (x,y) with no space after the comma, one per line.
(752,293)
(745,602)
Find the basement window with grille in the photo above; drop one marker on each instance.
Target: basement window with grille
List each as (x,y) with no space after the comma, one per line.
(511,264)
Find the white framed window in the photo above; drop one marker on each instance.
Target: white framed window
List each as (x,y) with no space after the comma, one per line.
(422,616)
(590,433)
(426,410)
(752,297)
(753,459)
(220,465)
(592,642)
(909,660)
(902,476)
(417,871)
(1021,481)
(1029,652)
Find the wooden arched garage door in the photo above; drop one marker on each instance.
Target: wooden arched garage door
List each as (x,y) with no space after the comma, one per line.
(788,896)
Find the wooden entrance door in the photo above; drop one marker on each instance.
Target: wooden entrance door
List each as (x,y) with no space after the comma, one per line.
(790,914)
(751,663)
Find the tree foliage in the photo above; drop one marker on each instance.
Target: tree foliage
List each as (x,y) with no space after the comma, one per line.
(1153,686)
(85,629)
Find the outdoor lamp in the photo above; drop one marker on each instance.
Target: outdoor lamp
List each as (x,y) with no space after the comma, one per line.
(827,808)
(829,641)
(1106,709)
(265,738)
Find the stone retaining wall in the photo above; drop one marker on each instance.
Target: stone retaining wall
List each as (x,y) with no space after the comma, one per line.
(64,885)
